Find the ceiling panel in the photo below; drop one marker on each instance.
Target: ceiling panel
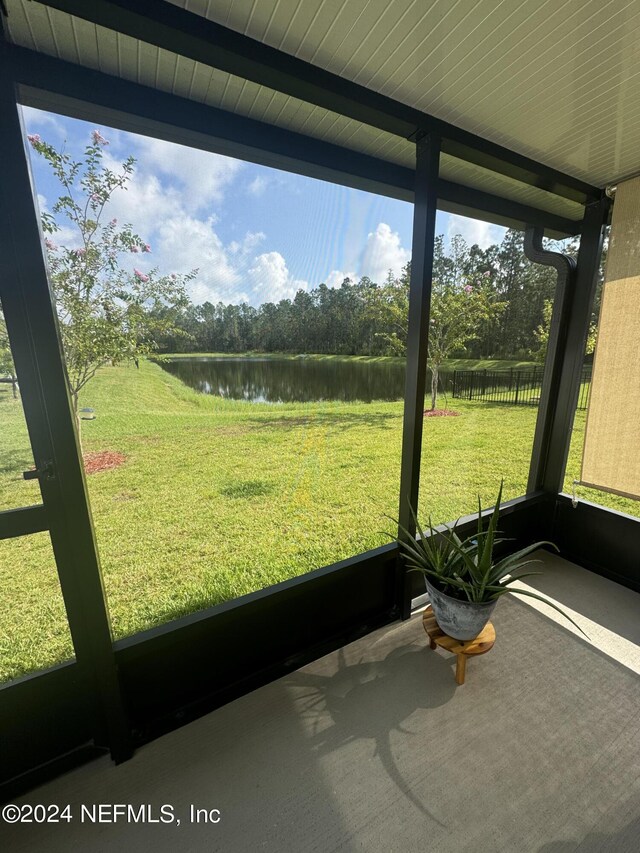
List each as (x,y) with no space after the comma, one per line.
(558,82)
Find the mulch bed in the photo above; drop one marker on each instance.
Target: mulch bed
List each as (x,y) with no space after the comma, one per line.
(440,413)
(102,460)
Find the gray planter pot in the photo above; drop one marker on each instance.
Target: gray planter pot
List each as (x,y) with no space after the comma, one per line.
(462,620)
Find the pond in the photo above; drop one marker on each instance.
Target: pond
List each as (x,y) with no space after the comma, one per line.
(296,380)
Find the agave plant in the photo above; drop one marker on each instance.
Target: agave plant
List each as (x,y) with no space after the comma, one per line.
(466,569)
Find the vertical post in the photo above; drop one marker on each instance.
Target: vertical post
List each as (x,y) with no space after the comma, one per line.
(565,285)
(32,327)
(424,227)
(566,347)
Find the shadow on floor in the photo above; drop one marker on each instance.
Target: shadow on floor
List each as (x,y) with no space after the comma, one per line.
(407,679)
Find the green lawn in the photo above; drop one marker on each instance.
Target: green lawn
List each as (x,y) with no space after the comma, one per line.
(218,498)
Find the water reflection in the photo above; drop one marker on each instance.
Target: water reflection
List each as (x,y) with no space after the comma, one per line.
(299,380)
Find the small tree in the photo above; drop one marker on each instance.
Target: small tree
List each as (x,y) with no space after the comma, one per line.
(107,312)
(458,309)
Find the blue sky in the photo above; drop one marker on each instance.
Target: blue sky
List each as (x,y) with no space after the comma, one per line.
(255,234)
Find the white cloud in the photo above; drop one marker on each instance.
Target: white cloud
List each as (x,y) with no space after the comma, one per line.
(474,231)
(383,252)
(185,243)
(258,185)
(145,203)
(244,248)
(169,186)
(165,214)
(271,279)
(201,175)
(336,277)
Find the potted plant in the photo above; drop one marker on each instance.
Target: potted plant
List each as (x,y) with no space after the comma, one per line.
(463,577)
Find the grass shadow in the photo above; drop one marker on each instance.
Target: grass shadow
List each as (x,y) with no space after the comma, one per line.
(247,489)
(336,420)
(15,462)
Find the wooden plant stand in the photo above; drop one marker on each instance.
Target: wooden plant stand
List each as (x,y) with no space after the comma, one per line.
(462,649)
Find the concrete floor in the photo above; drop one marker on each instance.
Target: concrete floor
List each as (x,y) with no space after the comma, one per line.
(374,748)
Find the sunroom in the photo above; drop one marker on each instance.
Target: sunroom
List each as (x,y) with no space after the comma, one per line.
(209,638)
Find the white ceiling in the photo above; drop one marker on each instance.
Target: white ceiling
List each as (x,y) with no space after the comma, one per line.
(557,81)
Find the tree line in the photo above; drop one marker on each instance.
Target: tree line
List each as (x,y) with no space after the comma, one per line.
(369,318)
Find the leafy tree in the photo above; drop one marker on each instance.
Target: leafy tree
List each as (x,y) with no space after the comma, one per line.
(524,286)
(108,313)
(389,311)
(571,248)
(459,306)
(542,332)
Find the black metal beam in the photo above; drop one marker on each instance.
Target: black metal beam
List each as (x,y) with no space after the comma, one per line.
(455,198)
(424,230)
(193,36)
(571,345)
(32,327)
(560,318)
(20,522)
(52,84)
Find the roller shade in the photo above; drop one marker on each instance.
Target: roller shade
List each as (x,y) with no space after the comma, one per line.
(611,456)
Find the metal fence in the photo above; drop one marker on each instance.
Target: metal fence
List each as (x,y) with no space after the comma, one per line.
(510,387)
